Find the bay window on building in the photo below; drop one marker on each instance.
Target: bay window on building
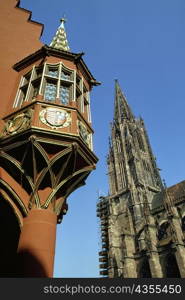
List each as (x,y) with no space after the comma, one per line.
(56,84)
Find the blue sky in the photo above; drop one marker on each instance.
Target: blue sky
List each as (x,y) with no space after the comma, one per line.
(142,44)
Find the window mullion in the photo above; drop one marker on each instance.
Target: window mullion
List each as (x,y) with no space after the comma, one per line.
(18,93)
(42,80)
(29,84)
(74,86)
(59,80)
(82,96)
(88,108)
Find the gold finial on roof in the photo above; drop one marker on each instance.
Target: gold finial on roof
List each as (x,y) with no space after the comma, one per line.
(60,39)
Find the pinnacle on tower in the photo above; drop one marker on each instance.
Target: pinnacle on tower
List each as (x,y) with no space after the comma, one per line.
(121,107)
(60,39)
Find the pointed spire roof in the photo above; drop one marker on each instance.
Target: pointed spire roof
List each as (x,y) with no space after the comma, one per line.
(60,39)
(121,107)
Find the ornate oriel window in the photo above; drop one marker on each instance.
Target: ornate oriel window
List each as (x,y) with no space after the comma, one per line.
(58,84)
(54,82)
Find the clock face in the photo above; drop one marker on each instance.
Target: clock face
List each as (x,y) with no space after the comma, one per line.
(55,117)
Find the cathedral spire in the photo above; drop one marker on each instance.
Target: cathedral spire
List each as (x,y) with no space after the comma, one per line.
(60,39)
(121,107)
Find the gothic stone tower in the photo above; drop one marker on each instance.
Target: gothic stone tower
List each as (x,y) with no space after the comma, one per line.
(141,220)
(46,140)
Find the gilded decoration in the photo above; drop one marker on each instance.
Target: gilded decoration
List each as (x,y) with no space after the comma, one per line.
(17,123)
(55,117)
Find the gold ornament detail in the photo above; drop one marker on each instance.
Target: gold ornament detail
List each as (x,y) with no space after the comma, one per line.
(55,117)
(18,123)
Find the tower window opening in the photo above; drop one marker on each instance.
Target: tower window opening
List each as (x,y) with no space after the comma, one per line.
(145,271)
(116,200)
(118,145)
(140,140)
(183,223)
(163,231)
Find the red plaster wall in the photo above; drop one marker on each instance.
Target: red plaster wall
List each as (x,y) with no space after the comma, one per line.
(19,38)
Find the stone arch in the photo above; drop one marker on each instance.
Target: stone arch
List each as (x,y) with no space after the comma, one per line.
(9,238)
(172,269)
(163,230)
(162,220)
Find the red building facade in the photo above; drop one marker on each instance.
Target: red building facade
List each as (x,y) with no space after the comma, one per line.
(46,139)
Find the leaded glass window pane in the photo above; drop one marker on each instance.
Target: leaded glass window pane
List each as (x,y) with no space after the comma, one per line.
(50,91)
(64,95)
(65,75)
(53,73)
